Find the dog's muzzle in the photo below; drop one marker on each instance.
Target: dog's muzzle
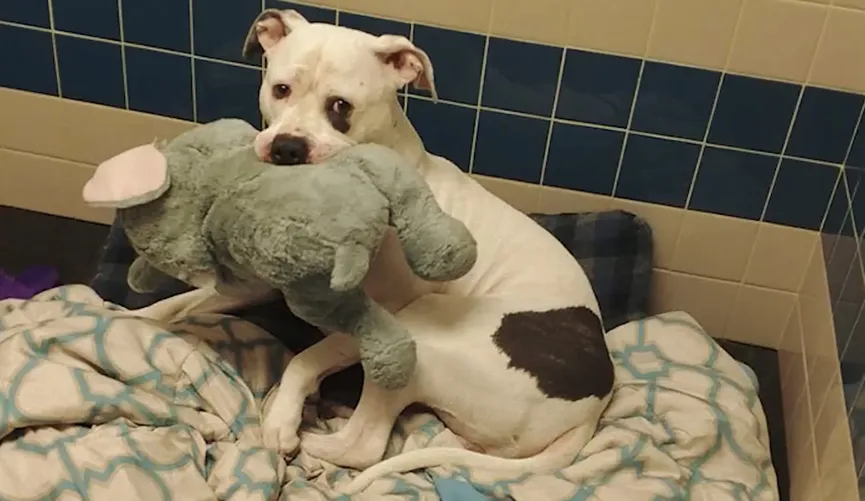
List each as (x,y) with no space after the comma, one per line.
(289,150)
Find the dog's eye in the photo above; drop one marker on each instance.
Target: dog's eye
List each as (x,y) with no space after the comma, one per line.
(281,91)
(341,107)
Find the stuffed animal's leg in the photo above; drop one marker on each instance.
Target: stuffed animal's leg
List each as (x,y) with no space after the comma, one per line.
(363,440)
(143,277)
(387,350)
(301,379)
(437,247)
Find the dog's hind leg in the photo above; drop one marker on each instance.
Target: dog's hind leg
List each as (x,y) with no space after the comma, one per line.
(364,438)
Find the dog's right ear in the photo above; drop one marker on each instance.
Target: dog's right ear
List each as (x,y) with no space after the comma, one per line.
(271,26)
(134,177)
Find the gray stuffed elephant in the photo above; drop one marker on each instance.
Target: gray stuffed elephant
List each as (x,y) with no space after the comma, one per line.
(203,209)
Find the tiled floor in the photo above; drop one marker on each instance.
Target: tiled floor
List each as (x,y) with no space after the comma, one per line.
(29,238)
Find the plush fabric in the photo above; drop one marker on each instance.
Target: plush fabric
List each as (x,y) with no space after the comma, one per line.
(614,248)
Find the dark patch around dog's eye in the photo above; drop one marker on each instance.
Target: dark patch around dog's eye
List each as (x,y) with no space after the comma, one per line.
(338,111)
(281,91)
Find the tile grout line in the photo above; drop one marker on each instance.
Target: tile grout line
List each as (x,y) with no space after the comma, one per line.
(721,79)
(634,103)
(628,131)
(856,398)
(802,87)
(123,54)
(753,250)
(192,63)
(565,46)
(553,116)
(477,107)
(53,32)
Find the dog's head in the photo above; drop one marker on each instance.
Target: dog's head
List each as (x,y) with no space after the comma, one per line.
(327,87)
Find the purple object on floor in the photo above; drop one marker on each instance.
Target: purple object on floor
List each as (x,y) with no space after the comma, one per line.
(30,282)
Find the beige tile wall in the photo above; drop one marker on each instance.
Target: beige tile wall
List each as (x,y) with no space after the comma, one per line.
(816,41)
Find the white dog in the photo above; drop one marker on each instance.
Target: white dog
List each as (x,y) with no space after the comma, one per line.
(511,357)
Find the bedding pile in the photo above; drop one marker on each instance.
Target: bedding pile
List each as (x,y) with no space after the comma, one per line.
(99,405)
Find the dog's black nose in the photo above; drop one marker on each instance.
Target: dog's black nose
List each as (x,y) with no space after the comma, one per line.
(289,150)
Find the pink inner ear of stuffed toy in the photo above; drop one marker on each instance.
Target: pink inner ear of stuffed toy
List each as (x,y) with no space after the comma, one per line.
(131,178)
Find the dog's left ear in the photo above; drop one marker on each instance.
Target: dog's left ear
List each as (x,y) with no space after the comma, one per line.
(271,26)
(406,63)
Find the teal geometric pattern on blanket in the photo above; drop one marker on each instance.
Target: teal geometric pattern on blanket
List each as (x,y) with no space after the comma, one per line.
(101,406)
(136,410)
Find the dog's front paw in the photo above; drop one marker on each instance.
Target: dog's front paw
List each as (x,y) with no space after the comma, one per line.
(282,421)
(280,433)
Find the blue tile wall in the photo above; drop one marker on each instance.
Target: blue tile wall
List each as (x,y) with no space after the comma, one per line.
(685,137)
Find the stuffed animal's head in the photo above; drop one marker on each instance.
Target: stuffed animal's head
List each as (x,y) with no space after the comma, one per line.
(143,174)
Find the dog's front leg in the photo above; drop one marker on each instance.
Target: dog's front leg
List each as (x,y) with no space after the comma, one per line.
(300,380)
(364,438)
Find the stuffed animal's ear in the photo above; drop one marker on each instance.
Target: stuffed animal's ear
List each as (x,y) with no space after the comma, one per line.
(134,177)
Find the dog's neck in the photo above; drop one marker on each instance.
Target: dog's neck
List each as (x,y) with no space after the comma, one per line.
(404,139)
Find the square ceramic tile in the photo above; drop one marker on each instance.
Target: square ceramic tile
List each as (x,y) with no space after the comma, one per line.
(583,158)
(521,76)
(171,16)
(657,170)
(844,317)
(777,39)
(374,25)
(445,129)
(91,71)
(544,21)
(518,164)
(753,114)
(759,316)
(591,22)
(714,246)
(159,83)
(675,100)
(801,194)
(781,257)
(597,88)
(97,18)
(825,124)
(709,301)
(839,62)
(34,12)
(221,26)
(312,13)
(457,58)
(733,183)
(34,62)
(694,32)
(226,91)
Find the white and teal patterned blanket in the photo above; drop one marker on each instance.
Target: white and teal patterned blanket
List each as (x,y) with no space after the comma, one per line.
(97,405)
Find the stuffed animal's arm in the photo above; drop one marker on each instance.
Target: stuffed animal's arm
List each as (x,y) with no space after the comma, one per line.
(144,278)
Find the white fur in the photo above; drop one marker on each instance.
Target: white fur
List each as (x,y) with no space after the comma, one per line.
(461,374)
